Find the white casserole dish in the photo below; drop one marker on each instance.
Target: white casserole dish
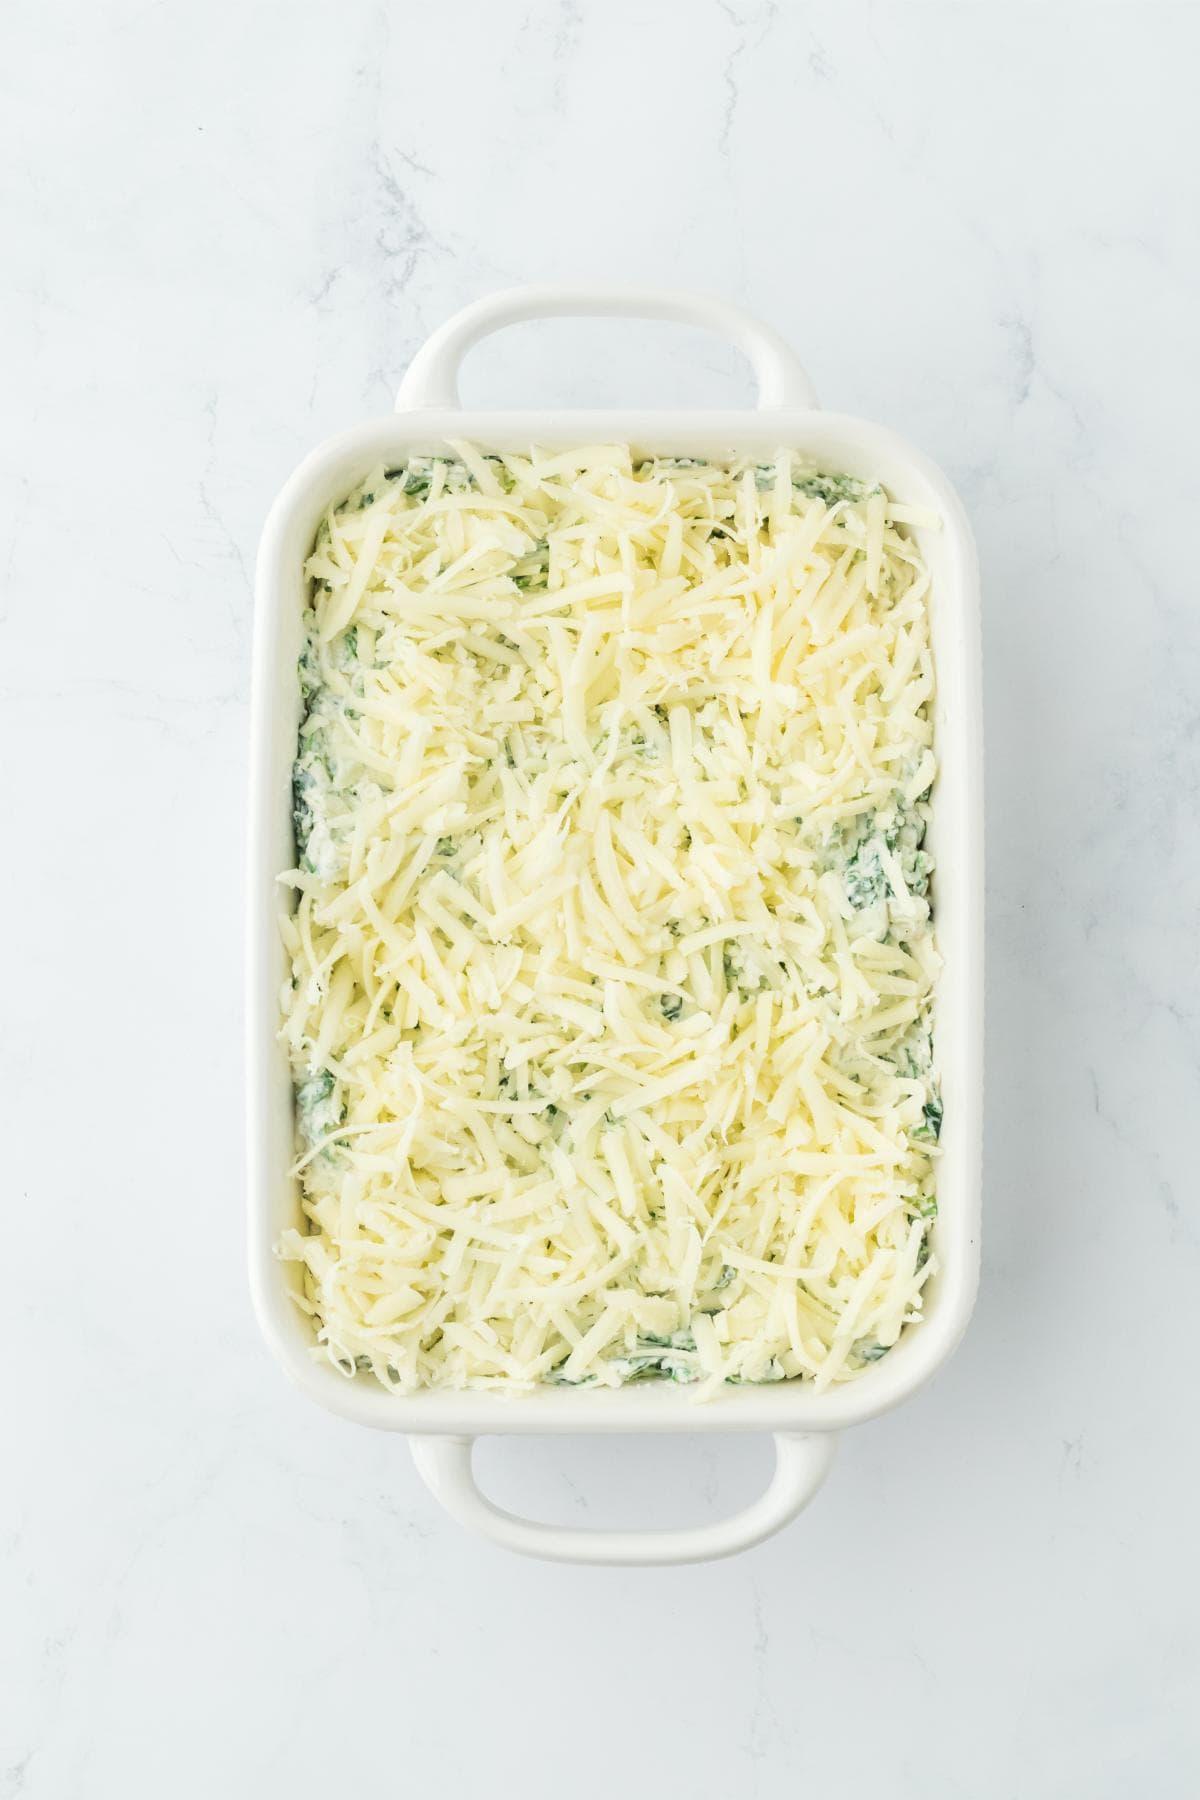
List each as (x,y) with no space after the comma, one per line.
(443,1425)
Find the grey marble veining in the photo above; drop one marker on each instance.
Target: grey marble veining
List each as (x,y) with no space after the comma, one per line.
(226,229)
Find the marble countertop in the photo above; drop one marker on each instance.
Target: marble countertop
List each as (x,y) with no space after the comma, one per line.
(227,229)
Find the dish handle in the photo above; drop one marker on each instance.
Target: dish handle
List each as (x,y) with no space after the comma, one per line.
(802,1461)
(431,382)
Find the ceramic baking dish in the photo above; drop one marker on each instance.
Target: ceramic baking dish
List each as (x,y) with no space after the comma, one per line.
(443,1425)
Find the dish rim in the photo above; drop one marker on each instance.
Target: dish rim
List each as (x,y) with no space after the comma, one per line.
(331,470)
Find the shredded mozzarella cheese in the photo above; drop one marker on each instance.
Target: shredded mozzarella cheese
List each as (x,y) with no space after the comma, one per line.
(611,963)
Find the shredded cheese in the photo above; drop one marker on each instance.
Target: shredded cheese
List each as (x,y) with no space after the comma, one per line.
(611,957)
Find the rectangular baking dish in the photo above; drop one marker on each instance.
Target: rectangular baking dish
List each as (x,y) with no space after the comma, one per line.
(443,1425)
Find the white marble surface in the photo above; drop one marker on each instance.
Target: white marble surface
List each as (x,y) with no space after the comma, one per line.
(226,227)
